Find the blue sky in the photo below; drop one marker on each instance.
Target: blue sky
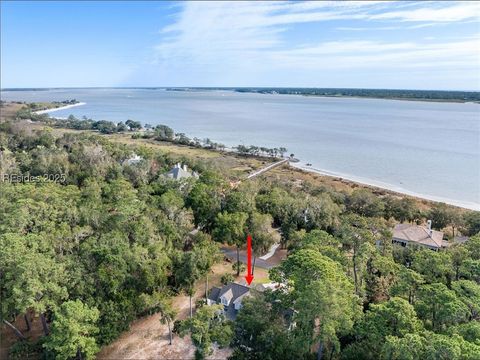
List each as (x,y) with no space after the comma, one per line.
(378,44)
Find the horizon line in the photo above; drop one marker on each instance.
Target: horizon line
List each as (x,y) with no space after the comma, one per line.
(224,87)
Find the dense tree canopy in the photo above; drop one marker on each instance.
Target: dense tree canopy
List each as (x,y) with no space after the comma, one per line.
(73,331)
(207,326)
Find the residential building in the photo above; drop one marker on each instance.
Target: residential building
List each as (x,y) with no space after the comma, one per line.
(180,171)
(409,234)
(230,296)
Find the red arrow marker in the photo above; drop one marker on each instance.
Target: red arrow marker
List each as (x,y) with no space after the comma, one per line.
(249,276)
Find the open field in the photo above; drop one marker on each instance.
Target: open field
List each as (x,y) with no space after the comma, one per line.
(8,111)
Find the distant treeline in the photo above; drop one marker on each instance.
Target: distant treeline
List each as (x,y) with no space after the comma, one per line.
(432,95)
(36,106)
(103,126)
(166,133)
(373,93)
(66,102)
(261,151)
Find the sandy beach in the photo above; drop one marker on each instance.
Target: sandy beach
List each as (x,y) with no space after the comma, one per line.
(388,187)
(59,108)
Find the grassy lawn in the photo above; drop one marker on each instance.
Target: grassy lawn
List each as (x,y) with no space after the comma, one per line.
(224,267)
(8,111)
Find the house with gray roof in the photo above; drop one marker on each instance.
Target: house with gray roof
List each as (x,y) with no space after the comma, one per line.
(230,296)
(180,171)
(409,234)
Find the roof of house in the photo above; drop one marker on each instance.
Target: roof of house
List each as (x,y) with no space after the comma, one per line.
(240,298)
(213,293)
(179,172)
(231,292)
(420,235)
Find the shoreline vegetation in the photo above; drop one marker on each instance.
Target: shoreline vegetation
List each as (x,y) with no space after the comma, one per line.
(386,94)
(40,108)
(48,111)
(390,188)
(164,133)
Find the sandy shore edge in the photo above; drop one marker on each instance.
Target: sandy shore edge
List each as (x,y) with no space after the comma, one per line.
(59,108)
(387,187)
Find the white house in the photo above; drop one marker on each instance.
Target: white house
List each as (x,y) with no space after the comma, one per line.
(180,171)
(230,296)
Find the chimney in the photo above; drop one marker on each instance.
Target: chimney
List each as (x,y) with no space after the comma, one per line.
(429,227)
(184,167)
(178,165)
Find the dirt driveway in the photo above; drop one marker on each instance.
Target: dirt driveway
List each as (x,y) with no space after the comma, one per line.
(148,338)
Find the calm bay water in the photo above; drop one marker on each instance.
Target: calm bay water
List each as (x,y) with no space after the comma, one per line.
(426,149)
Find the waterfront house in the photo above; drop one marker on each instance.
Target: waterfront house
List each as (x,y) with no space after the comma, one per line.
(409,234)
(230,296)
(180,171)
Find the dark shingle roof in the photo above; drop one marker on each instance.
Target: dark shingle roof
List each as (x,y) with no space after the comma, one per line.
(214,294)
(233,291)
(178,173)
(181,172)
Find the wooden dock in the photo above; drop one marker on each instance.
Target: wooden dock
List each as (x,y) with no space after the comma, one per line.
(265,169)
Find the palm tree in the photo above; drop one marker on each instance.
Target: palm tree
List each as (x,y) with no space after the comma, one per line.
(167,315)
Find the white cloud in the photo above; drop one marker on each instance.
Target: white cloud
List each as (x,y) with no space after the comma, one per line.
(449,12)
(248,38)
(362,54)
(358,28)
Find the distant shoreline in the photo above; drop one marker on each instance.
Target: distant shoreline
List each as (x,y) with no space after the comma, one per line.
(445,96)
(40,112)
(379,94)
(456,101)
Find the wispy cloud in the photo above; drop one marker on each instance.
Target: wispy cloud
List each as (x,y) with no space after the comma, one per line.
(241,36)
(446,12)
(359,28)
(362,54)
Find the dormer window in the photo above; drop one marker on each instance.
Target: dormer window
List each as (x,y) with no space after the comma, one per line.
(224,301)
